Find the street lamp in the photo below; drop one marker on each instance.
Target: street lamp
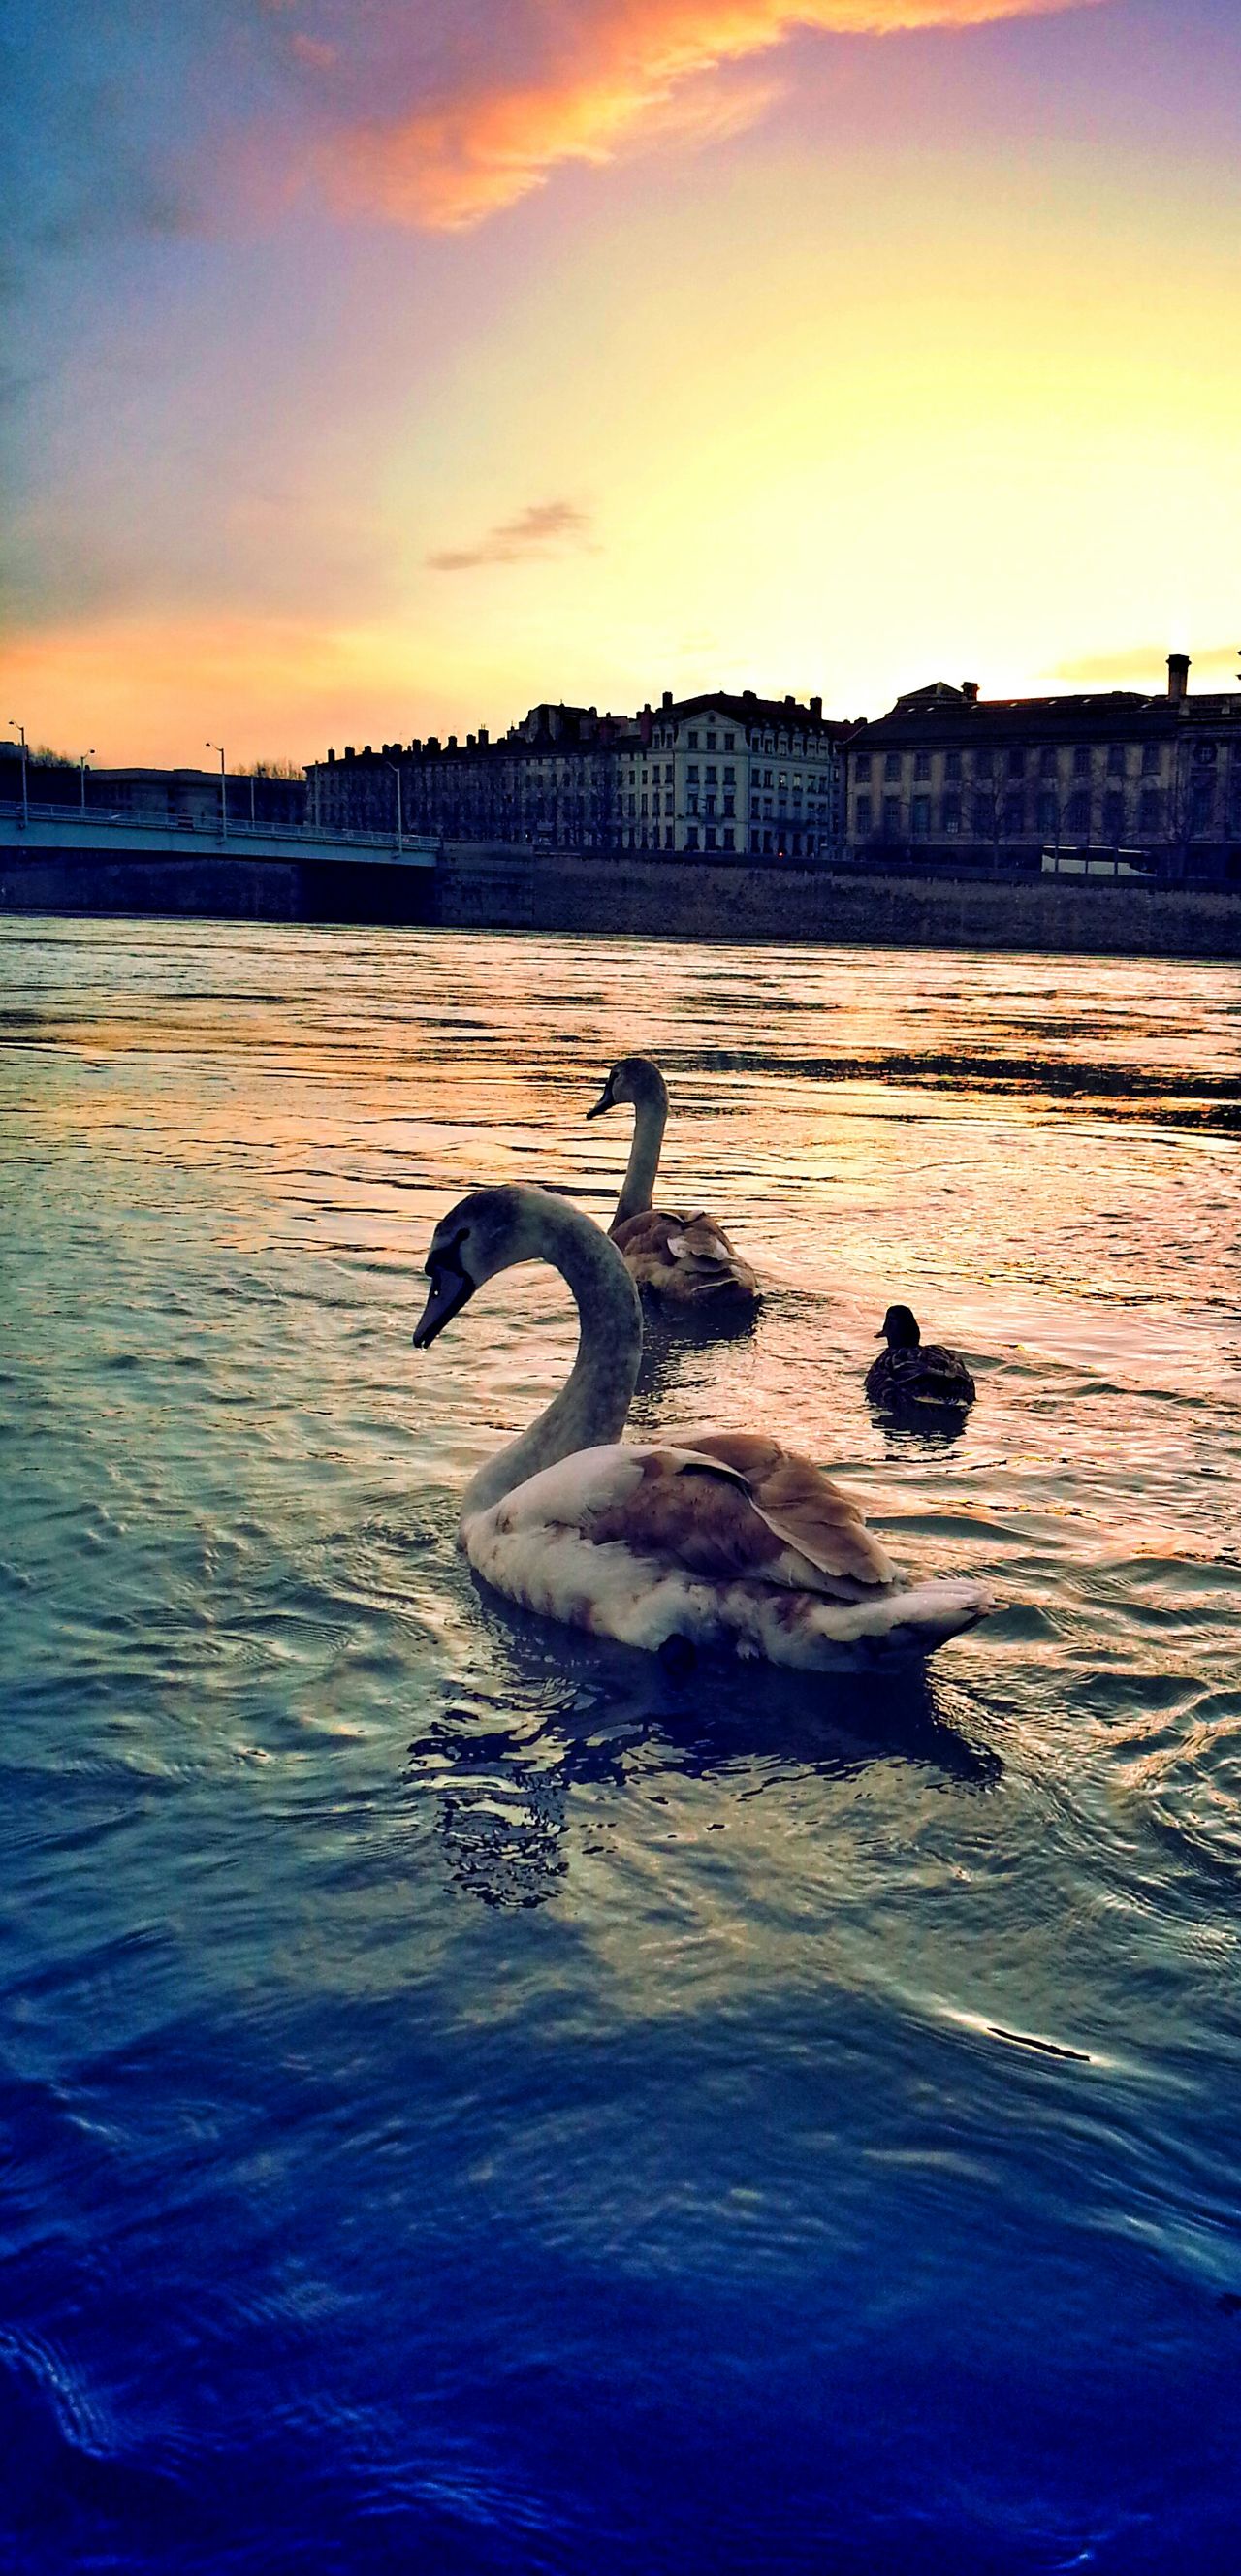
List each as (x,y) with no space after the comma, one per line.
(86,755)
(25,797)
(218,746)
(400,840)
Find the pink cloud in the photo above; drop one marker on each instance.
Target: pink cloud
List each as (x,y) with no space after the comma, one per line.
(610,75)
(536,530)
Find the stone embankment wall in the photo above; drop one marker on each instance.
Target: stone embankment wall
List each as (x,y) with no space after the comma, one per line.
(215,888)
(483,888)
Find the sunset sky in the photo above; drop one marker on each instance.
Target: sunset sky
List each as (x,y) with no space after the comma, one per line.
(374,369)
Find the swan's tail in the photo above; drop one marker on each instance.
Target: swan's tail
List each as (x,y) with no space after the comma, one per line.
(897,1624)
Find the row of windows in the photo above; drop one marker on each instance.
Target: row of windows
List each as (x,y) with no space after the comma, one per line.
(1017,815)
(1015,762)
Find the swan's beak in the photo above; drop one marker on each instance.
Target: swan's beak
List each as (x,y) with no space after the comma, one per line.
(450,1291)
(604,1101)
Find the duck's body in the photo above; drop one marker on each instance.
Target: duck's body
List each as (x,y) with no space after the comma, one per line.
(718,1539)
(912,1373)
(684,1260)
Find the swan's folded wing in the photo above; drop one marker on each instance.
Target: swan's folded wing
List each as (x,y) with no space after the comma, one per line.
(700,1510)
(798,1503)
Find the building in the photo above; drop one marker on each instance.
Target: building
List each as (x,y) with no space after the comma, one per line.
(714,775)
(948,775)
(189,796)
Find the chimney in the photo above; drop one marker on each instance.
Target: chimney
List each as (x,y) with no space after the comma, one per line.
(644,726)
(483,737)
(816,709)
(969,691)
(1178,677)
(666,699)
(331,758)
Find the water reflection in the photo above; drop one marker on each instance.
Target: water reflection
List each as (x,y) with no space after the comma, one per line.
(500,1766)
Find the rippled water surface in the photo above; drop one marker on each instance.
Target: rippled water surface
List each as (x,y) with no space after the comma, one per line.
(467,2102)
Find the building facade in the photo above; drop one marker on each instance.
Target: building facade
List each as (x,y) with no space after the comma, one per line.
(716,774)
(1151,781)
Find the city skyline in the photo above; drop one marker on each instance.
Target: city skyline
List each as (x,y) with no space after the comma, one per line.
(366,376)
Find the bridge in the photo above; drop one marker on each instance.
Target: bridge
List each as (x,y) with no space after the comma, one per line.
(66,832)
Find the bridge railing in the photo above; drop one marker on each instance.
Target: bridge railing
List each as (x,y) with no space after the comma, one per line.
(101,819)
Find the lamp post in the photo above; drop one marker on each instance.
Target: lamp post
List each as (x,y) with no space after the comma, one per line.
(25,796)
(400,840)
(218,746)
(86,755)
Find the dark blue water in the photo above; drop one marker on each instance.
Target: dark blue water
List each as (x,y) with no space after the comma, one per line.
(467,2103)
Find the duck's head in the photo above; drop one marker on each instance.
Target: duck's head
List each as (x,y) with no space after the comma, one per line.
(486,1232)
(899,1329)
(635,1078)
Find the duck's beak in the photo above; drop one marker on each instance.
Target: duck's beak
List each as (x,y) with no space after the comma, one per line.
(450,1291)
(604,1101)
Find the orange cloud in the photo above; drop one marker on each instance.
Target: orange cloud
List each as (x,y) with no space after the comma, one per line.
(622,70)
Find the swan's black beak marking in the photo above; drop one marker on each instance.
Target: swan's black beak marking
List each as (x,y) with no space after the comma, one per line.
(450,1291)
(604,1101)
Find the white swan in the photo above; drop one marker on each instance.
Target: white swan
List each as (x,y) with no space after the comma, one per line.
(686,1260)
(719,1539)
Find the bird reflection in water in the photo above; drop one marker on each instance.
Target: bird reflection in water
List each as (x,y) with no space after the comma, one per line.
(499,1767)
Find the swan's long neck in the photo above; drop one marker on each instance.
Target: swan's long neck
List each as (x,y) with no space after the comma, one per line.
(650,1117)
(591,1407)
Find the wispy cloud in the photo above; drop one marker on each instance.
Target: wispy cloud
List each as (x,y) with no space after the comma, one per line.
(598,77)
(545,527)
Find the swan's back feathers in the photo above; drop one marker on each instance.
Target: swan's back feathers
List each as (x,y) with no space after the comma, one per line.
(799,1504)
(682,1257)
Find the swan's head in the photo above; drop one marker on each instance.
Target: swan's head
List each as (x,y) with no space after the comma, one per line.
(634,1078)
(899,1329)
(486,1232)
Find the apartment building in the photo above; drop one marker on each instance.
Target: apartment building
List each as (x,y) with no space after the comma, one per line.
(715,775)
(948,774)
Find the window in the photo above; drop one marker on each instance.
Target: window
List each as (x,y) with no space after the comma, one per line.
(729,741)
(984,764)
(920,817)
(710,742)
(952,765)
(1047,762)
(709,836)
(1114,819)
(730,776)
(1017,761)
(784,782)
(693,742)
(951,816)
(862,769)
(1205,752)
(726,838)
(1081,760)
(730,805)
(1116,760)
(767,778)
(1014,816)
(982,818)
(922,764)
(1048,817)
(1201,803)
(644,805)
(891,818)
(708,804)
(756,842)
(691,801)
(1150,758)
(1078,816)
(691,836)
(1149,811)
(892,764)
(863,814)
(755,809)
(711,774)
(692,772)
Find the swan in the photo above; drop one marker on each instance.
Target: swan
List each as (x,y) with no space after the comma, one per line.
(686,1260)
(913,1372)
(714,1539)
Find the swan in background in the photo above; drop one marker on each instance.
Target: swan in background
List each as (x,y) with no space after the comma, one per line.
(686,1260)
(706,1539)
(912,1372)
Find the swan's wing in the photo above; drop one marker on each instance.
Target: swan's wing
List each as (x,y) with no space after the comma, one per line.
(798,1503)
(681,1255)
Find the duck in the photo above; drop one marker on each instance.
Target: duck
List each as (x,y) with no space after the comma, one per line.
(703,1540)
(913,1372)
(684,1261)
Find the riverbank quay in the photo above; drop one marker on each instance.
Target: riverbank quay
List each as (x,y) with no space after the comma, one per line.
(94,866)
(499,888)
